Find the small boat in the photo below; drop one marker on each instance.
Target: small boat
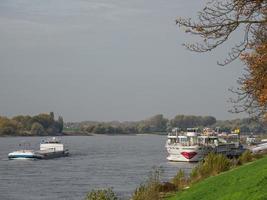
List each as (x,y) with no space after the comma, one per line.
(50,148)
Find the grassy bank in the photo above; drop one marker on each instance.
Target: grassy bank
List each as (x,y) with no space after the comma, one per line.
(245,182)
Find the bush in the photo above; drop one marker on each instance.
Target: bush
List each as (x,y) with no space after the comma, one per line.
(167,187)
(245,157)
(259,155)
(102,194)
(179,180)
(213,164)
(151,189)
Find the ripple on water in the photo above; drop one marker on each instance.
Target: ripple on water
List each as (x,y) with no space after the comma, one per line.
(121,162)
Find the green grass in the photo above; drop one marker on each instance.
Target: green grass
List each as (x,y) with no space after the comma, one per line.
(248,182)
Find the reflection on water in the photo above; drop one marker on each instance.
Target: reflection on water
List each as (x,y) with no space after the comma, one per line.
(121,162)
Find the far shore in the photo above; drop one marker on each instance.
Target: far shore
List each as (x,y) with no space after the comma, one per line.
(80,133)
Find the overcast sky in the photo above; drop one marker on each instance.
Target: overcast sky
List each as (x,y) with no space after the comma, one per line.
(107,60)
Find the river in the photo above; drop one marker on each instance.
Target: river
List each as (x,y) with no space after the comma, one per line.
(120,162)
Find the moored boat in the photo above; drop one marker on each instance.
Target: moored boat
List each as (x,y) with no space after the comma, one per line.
(193,146)
(185,146)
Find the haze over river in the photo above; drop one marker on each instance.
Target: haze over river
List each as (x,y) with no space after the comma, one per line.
(121,162)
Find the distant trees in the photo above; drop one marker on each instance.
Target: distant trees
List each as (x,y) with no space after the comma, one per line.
(160,124)
(45,124)
(246,125)
(156,123)
(108,128)
(7,126)
(60,124)
(37,129)
(186,121)
(42,124)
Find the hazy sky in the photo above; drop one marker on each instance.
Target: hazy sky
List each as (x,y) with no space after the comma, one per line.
(107,60)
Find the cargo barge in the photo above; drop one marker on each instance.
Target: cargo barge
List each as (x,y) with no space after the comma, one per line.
(51,148)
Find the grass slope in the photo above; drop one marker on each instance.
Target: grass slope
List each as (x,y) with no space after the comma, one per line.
(248,182)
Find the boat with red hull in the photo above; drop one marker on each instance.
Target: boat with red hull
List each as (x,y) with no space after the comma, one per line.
(193,146)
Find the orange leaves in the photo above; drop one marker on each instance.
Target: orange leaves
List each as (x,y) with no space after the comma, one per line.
(256,82)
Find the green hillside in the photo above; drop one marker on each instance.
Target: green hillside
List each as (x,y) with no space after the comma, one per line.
(248,182)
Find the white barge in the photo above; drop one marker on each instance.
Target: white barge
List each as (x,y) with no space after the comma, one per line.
(50,148)
(192,146)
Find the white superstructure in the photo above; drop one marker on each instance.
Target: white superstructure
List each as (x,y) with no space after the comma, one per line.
(186,146)
(193,146)
(52,144)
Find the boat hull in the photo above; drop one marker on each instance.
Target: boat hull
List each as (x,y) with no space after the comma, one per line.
(32,155)
(186,154)
(51,154)
(23,155)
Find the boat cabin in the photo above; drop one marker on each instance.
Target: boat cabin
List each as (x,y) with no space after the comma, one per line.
(51,144)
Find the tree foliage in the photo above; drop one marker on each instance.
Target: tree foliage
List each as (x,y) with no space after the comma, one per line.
(37,129)
(253,93)
(159,124)
(189,121)
(246,125)
(42,124)
(215,25)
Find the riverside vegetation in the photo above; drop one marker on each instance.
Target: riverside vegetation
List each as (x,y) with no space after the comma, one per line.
(45,124)
(159,124)
(241,181)
(39,125)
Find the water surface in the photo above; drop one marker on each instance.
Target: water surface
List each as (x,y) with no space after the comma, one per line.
(121,162)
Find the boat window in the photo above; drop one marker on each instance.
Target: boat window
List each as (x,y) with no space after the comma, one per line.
(192,140)
(202,140)
(183,141)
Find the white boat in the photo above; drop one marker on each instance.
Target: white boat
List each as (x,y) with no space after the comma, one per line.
(185,146)
(50,148)
(262,147)
(23,155)
(192,146)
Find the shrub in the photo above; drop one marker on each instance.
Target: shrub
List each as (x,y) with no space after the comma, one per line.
(195,174)
(179,180)
(259,155)
(235,162)
(245,157)
(102,194)
(151,189)
(213,164)
(167,187)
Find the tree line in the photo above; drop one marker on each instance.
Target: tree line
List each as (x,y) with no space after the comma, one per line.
(41,125)
(160,124)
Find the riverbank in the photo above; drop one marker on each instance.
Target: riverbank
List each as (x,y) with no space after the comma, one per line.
(245,182)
